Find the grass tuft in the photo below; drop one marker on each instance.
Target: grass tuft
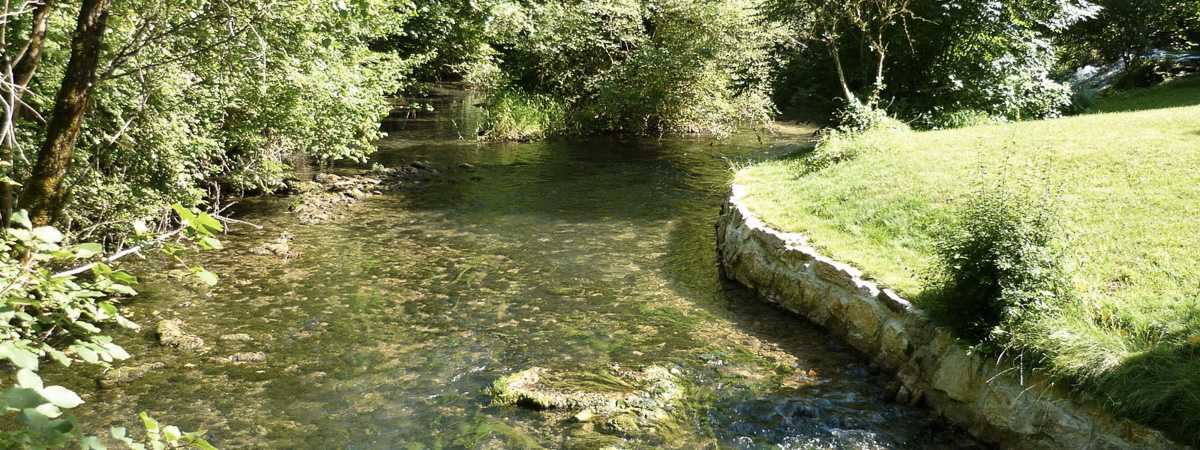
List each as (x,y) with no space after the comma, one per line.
(512,116)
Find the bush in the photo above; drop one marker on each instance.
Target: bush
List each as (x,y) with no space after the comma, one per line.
(998,265)
(1140,74)
(963,118)
(58,315)
(857,116)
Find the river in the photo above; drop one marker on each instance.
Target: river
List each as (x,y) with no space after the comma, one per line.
(390,323)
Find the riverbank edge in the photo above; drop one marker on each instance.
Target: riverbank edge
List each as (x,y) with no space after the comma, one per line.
(992,400)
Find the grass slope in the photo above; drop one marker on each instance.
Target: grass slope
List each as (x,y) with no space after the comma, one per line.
(1130,185)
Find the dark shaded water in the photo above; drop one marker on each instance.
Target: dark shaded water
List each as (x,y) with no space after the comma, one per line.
(387,328)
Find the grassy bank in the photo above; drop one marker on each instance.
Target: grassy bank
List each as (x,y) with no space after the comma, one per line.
(1127,182)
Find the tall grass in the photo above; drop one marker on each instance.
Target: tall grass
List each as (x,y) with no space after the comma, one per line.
(512,115)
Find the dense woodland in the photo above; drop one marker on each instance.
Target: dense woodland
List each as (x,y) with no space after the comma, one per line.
(130,123)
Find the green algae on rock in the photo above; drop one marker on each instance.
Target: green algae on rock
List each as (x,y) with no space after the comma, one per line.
(170,333)
(127,374)
(626,401)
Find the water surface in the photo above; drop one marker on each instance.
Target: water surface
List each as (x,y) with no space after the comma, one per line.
(576,256)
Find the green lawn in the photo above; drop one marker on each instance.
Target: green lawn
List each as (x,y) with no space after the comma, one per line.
(1130,195)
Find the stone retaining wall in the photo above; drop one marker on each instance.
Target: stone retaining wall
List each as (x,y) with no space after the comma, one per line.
(988,399)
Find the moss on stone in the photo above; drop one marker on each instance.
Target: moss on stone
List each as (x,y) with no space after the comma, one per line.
(625,401)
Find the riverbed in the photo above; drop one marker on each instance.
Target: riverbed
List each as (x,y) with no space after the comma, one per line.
(388,324)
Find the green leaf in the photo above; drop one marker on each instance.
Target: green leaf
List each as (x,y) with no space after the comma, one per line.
(36,420)
(21,398)
(187,217)
(210,243)
(22,218)
(87,326)
(122,277)
(101,270)
(152,434)
(171,433)
(126,323)
(91,443)
(61,397)
(109,309)
(88,250)
(118,288)
(116,351)
(148,422)
(21,234)
(57,355)
(194,440)
(85,353)
(206,277)
(48,410)
(48,234)
(209,223)
(24,359)
(29,379)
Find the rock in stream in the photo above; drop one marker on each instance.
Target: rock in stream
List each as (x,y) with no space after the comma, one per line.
(625,401)
(170,333)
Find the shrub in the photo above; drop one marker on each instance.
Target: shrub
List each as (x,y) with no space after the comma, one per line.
(857,116)
(1140,74)
(963,118)
(47,313)
(998,265)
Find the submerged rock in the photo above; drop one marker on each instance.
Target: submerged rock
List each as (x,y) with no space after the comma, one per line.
(625,401)
(246,357)
(170,333)
(236,337)
(280,247)
(333,192)
(126,374)
(323,197)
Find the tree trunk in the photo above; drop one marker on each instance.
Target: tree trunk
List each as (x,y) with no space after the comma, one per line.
(44,191)
(22,75)
(841,73)
(877,90)
(23,72)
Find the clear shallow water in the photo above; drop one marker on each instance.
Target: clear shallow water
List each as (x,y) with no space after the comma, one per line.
(388,326)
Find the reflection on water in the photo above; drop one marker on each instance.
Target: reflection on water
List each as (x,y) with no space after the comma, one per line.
(388,326)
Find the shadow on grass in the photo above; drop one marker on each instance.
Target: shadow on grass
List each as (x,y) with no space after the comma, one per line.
(1172,94)
(1160,387)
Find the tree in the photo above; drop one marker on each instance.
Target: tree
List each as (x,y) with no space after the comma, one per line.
(1128,30)
(839,24)
(932,62)
(44,191)
(18,71)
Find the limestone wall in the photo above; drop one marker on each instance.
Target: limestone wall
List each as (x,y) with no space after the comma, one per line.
(989,399)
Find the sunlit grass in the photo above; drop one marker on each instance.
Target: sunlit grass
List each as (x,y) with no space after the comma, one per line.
(1130,185)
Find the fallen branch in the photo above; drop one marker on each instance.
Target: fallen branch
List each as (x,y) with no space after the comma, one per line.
(153,242)
(121,254)
(243,222)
